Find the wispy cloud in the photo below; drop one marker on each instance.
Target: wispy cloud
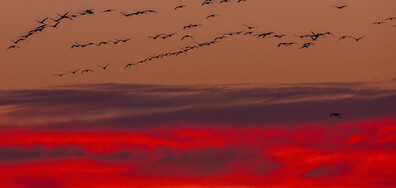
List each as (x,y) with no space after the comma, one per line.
(138,106)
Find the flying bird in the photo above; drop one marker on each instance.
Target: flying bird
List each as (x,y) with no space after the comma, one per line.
(339,115)
(343,37)
(42,21)
(59,75)
(124,40)
(75,71)
(13,46)
(278,36)
(225,1)
(306,45)
(75,46)
(391,18)
(340,7)
(378,23)
(19,40)
(211,16)
(357,39)
(187,36)
(103,42)
(104,67)
(55,25)
(249,27)
(180,6)
(130,64)
(156,36)
(86,71)
(108,10)
(191,26)
(249,33)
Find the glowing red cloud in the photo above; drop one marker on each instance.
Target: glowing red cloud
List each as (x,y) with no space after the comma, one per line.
(351,155)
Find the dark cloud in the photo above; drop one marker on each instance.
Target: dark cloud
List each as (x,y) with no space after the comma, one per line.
(40,153)
(327,170)
(205,162)
(18,154)
(138,106)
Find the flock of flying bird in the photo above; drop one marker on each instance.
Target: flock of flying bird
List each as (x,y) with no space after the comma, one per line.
(249,31)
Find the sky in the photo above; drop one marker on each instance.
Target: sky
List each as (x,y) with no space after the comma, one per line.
(239,113)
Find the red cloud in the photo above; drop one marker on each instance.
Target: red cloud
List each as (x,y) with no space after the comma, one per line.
(351,155)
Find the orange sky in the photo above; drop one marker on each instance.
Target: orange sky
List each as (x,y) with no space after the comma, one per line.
(235,60)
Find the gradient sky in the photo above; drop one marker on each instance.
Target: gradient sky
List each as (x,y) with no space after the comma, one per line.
(236,60)
(241,113)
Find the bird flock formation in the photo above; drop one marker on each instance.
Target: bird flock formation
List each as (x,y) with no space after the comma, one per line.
(109,42)
(251,31)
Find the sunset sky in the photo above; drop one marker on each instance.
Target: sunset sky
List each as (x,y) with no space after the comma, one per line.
(239,113)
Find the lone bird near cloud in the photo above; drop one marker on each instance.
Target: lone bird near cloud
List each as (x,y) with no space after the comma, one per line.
(339,115)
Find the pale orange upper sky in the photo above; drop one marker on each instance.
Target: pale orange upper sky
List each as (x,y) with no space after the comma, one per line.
(241,59)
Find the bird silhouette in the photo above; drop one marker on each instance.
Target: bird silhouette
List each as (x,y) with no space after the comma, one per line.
(130,64)
(220,38)
(13,47)
(339,115)
(263,35)
(249,27)
(85,12)
(42,21)
(102,43)
(59,75)
(187,36)
(212,16)
(249,33)
(124,40)
(391,18)
(378,23)
(340,7)
(86,71)
(180,6)
(108,10)
(74,72)
(168,36)
(17,41)
(104,67)
(191,26)
(55,25)
(76,45)
(225,1)
(64,16)
(278,36)
(291,43)
(282,44)
(156,36)
(357,39)
(344,37)
(306,45)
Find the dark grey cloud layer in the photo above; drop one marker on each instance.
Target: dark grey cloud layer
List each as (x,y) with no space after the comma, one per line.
(131,106)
